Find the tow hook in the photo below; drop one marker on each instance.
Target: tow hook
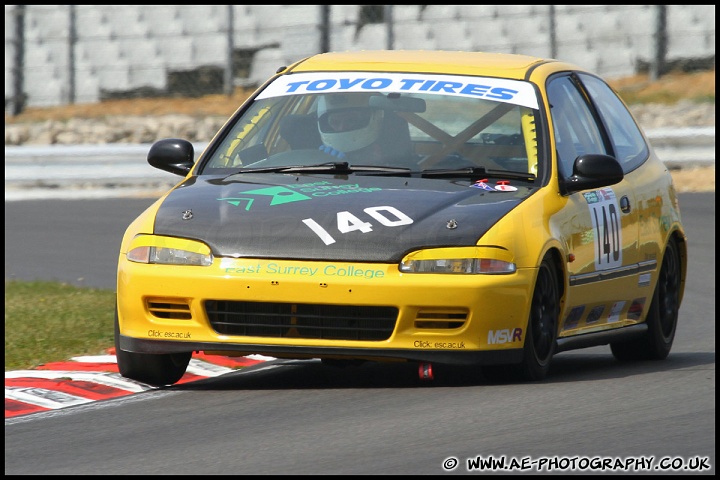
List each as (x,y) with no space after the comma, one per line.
(425,371)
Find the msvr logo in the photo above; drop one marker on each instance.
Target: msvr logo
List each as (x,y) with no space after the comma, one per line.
(504,336)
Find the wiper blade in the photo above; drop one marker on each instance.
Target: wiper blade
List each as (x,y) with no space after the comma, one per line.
(478,172)
(329,167)
(380,169)
(454,172)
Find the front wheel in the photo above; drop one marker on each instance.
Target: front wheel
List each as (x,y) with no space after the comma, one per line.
(540,337)
(155,369)
(662,316)
(542,325)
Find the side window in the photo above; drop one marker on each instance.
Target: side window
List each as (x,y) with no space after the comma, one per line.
(576,132)
(627,140)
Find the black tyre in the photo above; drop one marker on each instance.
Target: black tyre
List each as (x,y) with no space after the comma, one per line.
(662,315)
(153,369)
(540,338)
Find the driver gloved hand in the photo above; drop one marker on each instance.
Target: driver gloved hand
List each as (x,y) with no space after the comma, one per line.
(331,151)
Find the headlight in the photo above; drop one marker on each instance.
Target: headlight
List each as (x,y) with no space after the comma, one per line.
(152,249)
(464,260)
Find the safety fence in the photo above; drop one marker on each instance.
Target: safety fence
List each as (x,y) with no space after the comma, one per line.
(64,54)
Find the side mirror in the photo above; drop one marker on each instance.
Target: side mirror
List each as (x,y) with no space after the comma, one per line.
(592,171)
(172,155)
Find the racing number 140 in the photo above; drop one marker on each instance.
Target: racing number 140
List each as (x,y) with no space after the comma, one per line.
(606,224)
(347,222)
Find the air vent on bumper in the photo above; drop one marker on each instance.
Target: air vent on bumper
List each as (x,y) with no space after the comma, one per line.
(440,319)
(299,320)
(169,308)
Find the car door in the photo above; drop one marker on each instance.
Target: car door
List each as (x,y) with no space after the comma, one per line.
(599,226)
(646,178)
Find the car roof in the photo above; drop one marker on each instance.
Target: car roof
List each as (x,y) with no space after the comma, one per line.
(507,65)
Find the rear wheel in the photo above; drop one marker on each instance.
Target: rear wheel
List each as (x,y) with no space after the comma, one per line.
(541,332)
(155,369)
(662,316)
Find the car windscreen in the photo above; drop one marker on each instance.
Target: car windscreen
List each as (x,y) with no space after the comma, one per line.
(411,121)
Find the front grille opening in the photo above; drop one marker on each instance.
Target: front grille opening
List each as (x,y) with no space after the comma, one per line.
(440,320)
(172,309)
(300,320)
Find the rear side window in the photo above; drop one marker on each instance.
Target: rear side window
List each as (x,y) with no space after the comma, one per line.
(627,140)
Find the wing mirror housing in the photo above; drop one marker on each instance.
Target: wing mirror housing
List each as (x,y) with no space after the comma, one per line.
(172,155)
(592,171)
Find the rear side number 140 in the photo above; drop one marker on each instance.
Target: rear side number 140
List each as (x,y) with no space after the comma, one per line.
(348,222)
(605,214)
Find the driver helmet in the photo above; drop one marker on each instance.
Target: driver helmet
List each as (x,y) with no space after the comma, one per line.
(347,122)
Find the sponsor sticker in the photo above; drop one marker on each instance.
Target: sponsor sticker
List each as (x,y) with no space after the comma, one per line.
(573,318)
(495,89)
(636,309)
(504,186)
(615,310)
(482,184)
(595,314)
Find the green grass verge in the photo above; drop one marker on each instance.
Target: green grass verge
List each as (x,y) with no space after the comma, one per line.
(667,98)
(52,322)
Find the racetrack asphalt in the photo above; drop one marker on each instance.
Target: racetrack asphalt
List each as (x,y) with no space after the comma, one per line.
(90,260)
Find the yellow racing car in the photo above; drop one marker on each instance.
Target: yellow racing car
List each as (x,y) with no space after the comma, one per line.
(457,208)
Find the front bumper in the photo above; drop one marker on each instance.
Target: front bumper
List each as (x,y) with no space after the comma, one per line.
(442,318)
